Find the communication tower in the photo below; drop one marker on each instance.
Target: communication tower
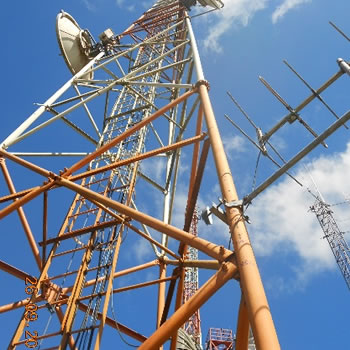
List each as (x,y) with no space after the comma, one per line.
(134,96)
(334,236)
(191,285)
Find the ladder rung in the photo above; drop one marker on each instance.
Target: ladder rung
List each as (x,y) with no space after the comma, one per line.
(81,231)
(83,212)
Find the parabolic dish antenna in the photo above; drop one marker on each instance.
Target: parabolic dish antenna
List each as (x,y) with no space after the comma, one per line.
(74,43)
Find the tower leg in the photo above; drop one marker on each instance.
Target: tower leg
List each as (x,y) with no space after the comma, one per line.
(258,309)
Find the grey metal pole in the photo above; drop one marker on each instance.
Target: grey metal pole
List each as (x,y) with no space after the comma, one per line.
(343,119)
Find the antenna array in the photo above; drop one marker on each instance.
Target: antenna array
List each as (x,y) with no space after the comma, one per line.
(263,139)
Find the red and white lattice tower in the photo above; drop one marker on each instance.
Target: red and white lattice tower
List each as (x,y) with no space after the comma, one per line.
(193,325)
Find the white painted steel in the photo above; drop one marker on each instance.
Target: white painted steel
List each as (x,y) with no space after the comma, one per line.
(197,60)
(50,154)
(12,138)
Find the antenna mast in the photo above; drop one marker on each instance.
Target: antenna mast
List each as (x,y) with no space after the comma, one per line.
(334,236)
(191,285)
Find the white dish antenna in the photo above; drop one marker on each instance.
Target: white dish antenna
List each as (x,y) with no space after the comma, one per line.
(74,43)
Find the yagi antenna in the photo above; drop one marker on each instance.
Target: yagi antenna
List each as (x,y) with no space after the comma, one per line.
(260,145)
(313,91)
(330,130)
(293,115)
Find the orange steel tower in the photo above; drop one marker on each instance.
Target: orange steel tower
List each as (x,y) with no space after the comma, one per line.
(136,100)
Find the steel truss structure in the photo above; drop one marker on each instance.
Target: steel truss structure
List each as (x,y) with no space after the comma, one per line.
(191,285)
(219,339)
(145,97)
(334,236)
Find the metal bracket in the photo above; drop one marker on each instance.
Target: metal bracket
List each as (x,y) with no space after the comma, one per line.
(344,66)
(234,204)
(239,204)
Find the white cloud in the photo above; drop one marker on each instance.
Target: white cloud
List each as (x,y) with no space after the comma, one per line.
(281,222)
(234,145)
(142,250)
(286,6)
(154,168)
(235,11)
(147,4)
(125,5)
(240,12)
(89,5)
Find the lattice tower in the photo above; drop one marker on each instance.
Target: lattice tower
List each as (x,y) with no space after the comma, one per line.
(143,95)
(334,236)
(191,285)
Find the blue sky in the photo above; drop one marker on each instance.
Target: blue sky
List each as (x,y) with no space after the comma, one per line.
(307,295)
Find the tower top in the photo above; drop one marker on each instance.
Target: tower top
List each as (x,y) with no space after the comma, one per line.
(217,4)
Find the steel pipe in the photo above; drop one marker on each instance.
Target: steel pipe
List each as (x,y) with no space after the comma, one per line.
(158,338)
(211,249)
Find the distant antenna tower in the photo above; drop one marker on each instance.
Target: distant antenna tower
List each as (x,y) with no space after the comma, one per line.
(334,236)
(191,285)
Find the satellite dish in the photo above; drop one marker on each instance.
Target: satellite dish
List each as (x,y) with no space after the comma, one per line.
(74,43)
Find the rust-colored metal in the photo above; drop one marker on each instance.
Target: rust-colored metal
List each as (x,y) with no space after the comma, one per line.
(258,309)
(109,289)
(69,316)
(193,190)
(242,333)
(139,157)
(114,264)
(116,325)
(44,228)
(82,231)
(178,304)
(18,304)
(25,199)
(225,273)
(138,231)
(13,271)
(202,264)
(127,133)
(22,215)
(127,288)
(161,293)
(169,296)
(69,251)
(73,272)
(35,298)
(255,311)
(37,338)
(16,195)
(26,164)
(195,155)
(116,274)
(60,316)
(211,249)
(192,200)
